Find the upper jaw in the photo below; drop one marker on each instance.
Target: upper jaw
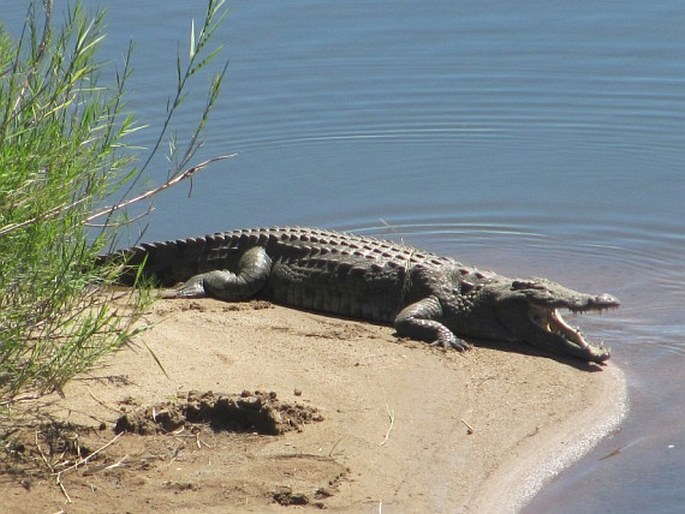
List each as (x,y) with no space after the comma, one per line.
(599,303)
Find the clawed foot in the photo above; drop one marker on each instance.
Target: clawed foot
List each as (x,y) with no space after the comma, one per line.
(452,343)
(193,288)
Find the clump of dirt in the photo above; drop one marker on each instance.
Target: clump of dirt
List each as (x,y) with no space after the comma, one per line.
(285,496)
(256,412)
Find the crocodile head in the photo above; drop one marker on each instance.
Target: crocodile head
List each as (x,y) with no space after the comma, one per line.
(529,310)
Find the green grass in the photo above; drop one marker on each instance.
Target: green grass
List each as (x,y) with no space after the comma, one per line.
(64,154)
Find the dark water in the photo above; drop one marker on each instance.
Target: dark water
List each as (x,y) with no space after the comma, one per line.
(532,138)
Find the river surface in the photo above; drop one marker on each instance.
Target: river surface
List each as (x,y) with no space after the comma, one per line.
(533,138)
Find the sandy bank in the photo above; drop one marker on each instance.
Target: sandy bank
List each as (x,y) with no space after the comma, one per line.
(395,432)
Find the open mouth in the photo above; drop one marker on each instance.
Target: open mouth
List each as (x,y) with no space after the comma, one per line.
(548,329)
(557,325)
(551,321)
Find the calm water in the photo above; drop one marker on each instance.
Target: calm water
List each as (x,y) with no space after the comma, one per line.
(532,138)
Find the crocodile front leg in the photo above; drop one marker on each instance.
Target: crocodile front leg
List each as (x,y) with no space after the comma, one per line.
(254,268)
(418,321)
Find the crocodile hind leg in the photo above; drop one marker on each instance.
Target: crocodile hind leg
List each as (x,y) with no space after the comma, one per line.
(418,321)
(254,268)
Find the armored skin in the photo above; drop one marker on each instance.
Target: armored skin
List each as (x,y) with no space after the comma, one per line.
(425,296)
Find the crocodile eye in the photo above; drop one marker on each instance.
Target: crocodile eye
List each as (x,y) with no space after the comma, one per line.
(517,285)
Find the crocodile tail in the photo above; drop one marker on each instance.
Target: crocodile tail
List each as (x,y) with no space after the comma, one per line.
(165,263)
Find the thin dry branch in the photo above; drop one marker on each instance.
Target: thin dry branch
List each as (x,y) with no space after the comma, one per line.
(100,469)
(42,455)
(122,223)
(55,212)
(103,404)
(166,185)
(85,460)
(391,416)
(52,470)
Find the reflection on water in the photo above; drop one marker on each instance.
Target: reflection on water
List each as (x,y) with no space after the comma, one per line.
(534,139)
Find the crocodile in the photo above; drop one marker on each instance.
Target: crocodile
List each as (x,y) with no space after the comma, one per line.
(425,296)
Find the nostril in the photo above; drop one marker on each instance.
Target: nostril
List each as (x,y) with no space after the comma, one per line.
(606,299)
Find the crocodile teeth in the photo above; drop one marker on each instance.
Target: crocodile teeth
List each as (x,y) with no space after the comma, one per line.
(570,332)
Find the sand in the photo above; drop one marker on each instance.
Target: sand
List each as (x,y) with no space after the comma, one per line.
(398,426)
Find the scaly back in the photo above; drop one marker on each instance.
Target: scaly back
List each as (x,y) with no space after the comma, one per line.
(171,262)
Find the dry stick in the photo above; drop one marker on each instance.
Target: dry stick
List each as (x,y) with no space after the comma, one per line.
(50,214)
(21,399)
(52,470)
(122,223)
(42,455)
(100,469)
(330,453)
(103,404)
(391,415)
(200,442)
(89,456)
(169,183)
(60,209)
(64,490)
